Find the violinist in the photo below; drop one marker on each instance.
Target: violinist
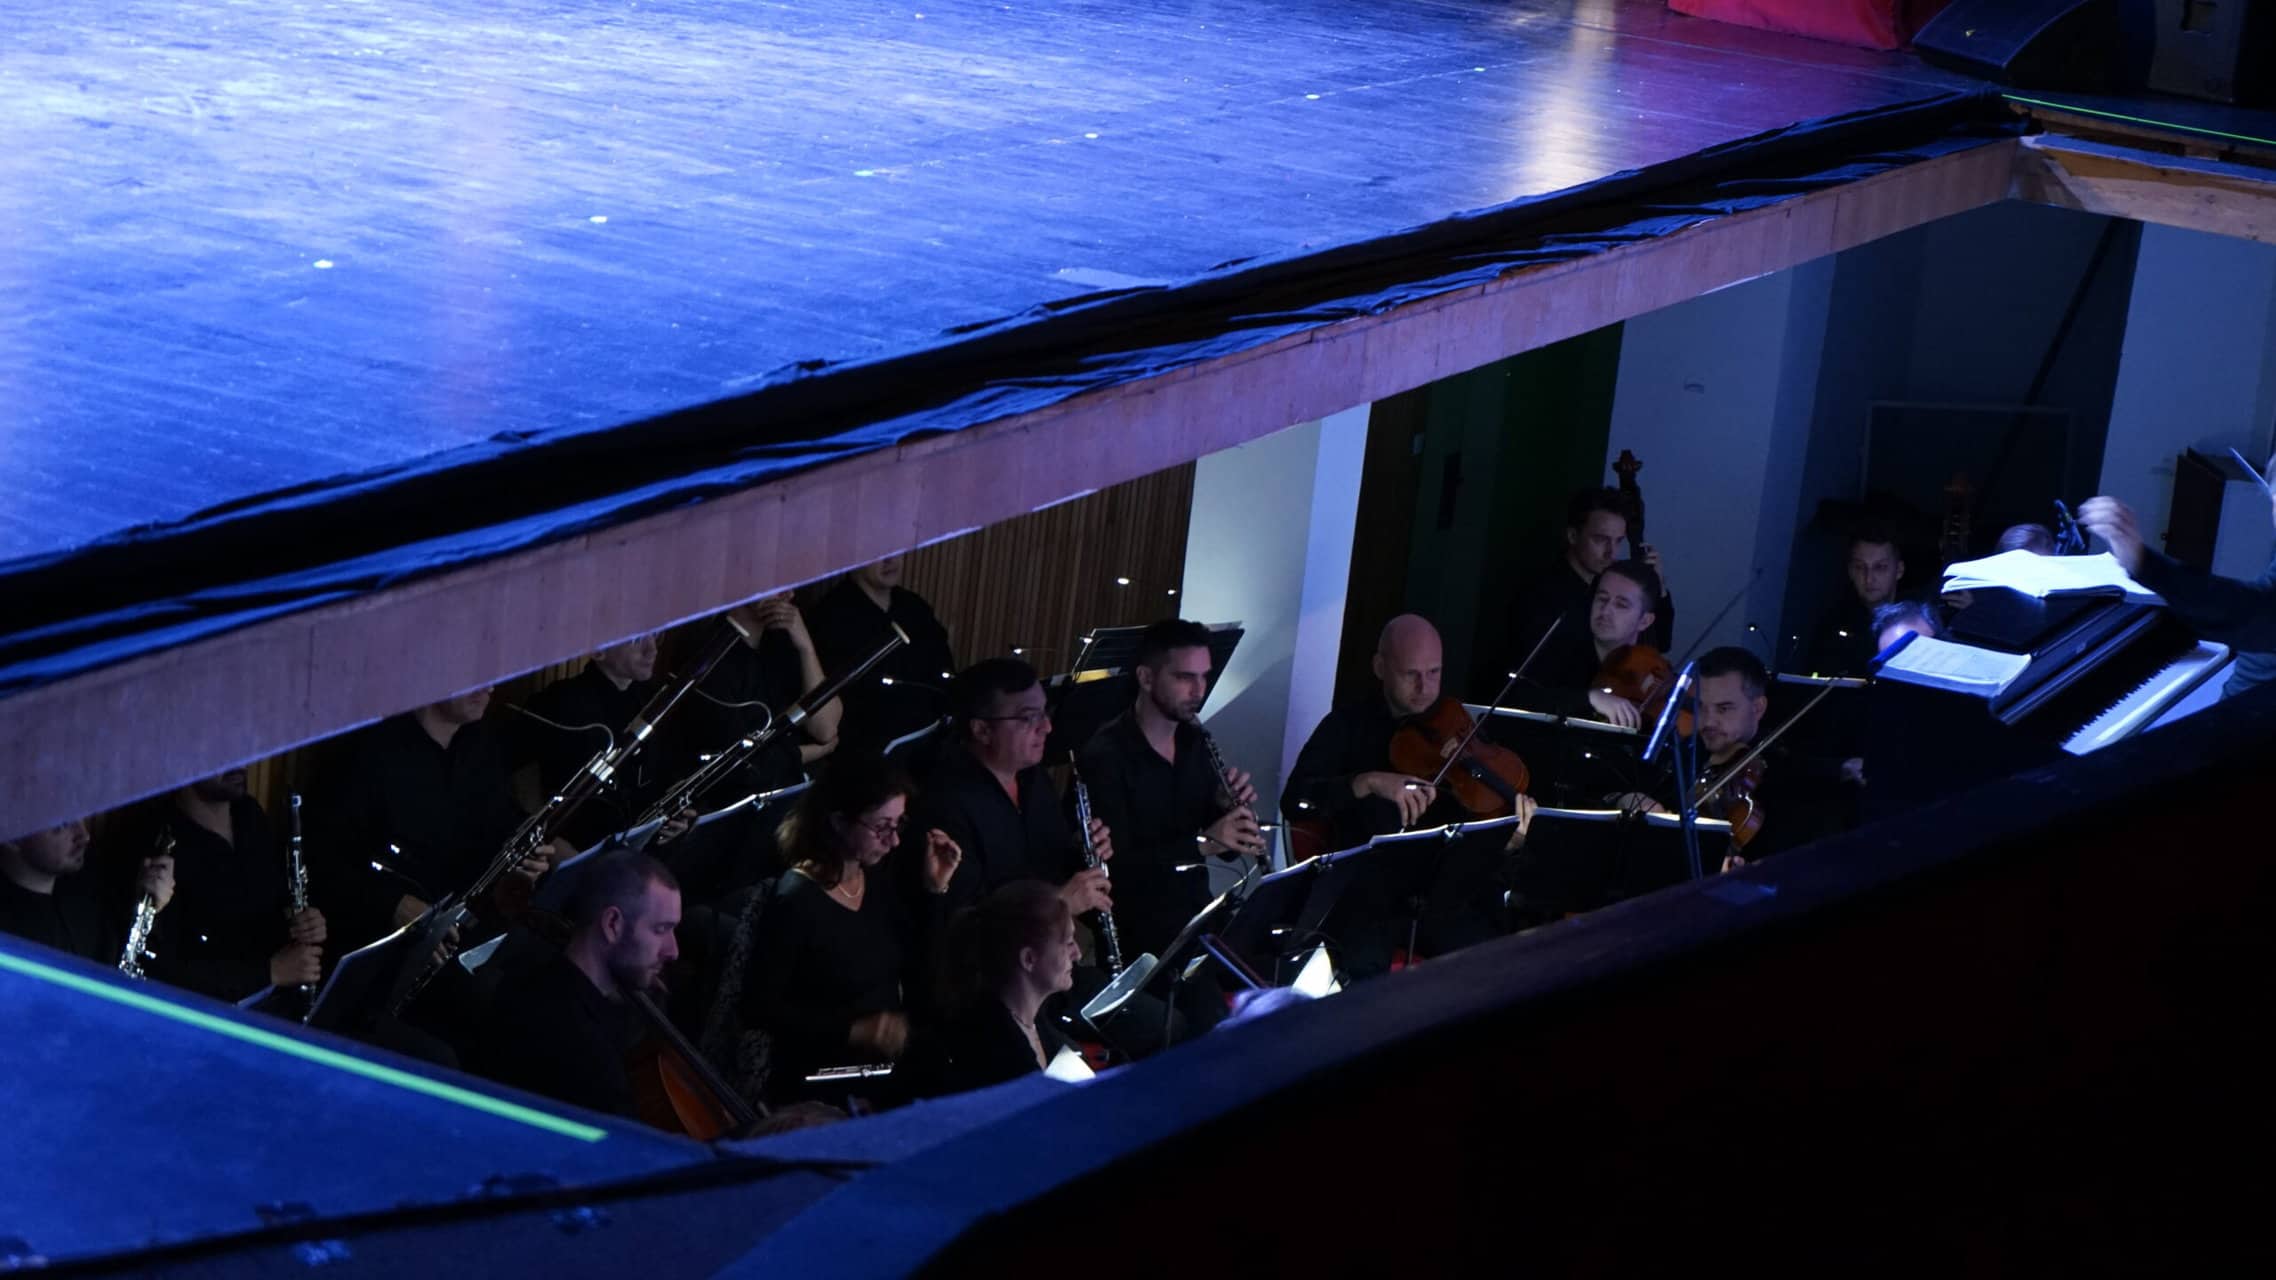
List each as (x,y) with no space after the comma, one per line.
(1570,675)
(563,1029)
(1900,618)
(1343,776)
(1787,789)
(1596,522)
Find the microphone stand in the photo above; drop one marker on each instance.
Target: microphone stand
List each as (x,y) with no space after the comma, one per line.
(1684,756)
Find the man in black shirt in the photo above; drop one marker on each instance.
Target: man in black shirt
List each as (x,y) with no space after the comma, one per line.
(1596,522)
(2239,614)
(229,933)
(423,806)
(569,721)
(1343,777)
(47,896)
(563,1028)
(990,794)
(761,678)
(1792,797)
(1562,678)
(907,691)
(1842,644)
(1150,779)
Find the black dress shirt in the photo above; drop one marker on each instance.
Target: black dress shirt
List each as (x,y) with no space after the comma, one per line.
(227,916)
(1153,810)
(448,810)
(2239,614)
(818,966)
(713,717)
(1002,841)
(848,627)
(980,1047)
(1349,741)
(591,698)
(74,919)
(552,1032)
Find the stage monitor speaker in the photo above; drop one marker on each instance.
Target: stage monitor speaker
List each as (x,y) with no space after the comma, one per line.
(2030,44)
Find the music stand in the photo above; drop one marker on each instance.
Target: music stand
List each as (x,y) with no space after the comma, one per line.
(1099,686)
(1582,859)
(359,981)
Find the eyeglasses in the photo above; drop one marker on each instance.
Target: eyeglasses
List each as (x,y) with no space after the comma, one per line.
(887,830)
(1026,719)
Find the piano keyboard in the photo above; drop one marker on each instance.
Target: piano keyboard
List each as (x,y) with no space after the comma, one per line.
(2142,705)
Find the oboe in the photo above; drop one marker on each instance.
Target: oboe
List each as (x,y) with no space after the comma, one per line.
(145,919)
(296,883)
(1109,940)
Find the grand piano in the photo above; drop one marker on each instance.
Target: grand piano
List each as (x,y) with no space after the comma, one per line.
(2101,669)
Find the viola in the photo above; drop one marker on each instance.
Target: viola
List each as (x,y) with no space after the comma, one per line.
(1442,744)
(1642,675)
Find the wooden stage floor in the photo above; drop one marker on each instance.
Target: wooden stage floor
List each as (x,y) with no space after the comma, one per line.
(250,247)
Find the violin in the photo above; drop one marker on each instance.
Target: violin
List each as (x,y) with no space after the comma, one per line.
(1644,676)
(1442,745)
(1731,798)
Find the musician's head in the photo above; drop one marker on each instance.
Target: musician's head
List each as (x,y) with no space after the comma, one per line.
(1734,693)
(225,787)
(624,911)
(1876,566)
(2037,539)
(1173,666)
(42,856)
(999,707)
(1409,661)
(1899,618)
(1621,606)
(1596,521)
(1018,941)
(851,815)
(880,575)
(460,709)
(628,662)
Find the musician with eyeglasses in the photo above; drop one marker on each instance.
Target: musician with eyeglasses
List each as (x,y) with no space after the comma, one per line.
(48,894)
(840,950)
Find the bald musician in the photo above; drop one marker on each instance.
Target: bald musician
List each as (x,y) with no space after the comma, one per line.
(1343,776)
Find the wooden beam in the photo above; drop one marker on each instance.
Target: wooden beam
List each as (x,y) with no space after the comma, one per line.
(114,735)
(2173,191)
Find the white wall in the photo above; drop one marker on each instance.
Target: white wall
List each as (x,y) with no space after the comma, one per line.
(2197,369)
(1269,546)
(1716,397)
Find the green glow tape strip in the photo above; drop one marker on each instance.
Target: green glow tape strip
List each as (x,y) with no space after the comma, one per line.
(306,1052)
(2142,120)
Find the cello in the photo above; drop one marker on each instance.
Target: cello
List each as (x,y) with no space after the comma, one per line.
(674,1088)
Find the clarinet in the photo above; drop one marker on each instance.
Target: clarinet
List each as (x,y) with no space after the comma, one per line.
(1217,764)
(145,919)
(1109,939)
(296,885)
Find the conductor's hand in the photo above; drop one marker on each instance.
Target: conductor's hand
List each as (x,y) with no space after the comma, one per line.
(1412,796)
(2113,522)
(941,859)
(1615,709)
(1524,827)
(1086,891)
(1236,832)
(884,1033)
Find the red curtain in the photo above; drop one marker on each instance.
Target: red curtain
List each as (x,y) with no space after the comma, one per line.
(1876,24)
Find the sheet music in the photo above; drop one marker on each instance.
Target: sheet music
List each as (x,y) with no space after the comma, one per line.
(1960,668)
(2042,576)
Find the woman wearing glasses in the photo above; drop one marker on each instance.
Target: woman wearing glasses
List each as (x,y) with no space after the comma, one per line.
(832,951)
